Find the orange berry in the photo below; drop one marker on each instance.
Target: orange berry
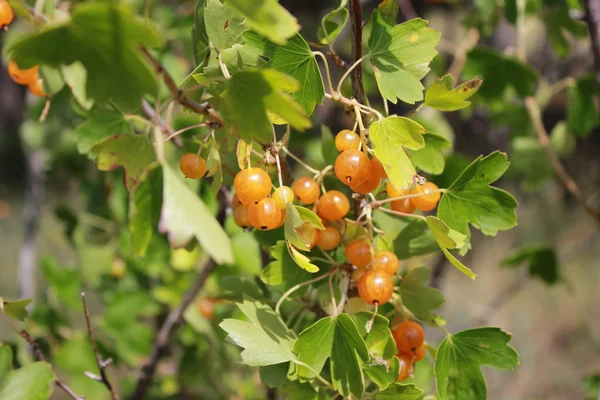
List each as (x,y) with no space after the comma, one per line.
(283,195)
(346,140)
(252,185)
(329,239)
(352,166)
(6,14)
(192,165)
(366,186)
(393,192)
(427,202)
(265,214)
(36,87)
(375,287)
(333,205)
(358,252)
(307,190)
(385,261)
(357,274)
(205,307)
(406,366)
(309,235)
(240,216)
(377,168)
(403,205)
(21,76)
(420,352)
(235,201)
(281,219)
(409,336)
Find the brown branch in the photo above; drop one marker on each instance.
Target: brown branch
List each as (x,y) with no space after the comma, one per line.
(592,10)
(102,364)
(358,89)
(179,96)
(561,172)
(407,9)
(40,356)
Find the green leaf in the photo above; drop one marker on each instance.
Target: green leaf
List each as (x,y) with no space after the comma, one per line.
(328,149)
(295,59)
(562,141)
(443,96)
(283,269)
(400,391)
(384,374)
(64,283)
(332,23)
(105,38)
(144,211)
(430,158)
(132,152)
(379,340)
(299,391)
(414,240)
(224,25)
(336,338)
(75,76)
(291,223)
(300,259)
(530,162)
(558,22)
(470,199)
(460,356)
(421,300)
(200,41)
(274,375)
(243,152)
(389,136)
(250,94)
(542,262)
(265,337)
(99,125)
(6,361)
(15,309)
(500,72)
(184,216)
(268,18)
(310,218)
(399,53)
(448,238)
(31,382)
(213,165)
(582,114)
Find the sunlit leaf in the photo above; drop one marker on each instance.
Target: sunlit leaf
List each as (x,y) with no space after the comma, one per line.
(442,94)
(268,18)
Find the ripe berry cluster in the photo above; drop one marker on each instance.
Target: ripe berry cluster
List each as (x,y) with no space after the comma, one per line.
(6,14)
(410,341)
(26,76)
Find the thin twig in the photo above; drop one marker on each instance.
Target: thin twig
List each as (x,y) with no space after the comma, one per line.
(356,20)
(561,172)
(298,286)
(102,364)
(179,95)
(592,10)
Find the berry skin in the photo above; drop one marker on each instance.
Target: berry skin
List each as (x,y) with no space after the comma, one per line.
(404,206)
(235,201)
(333,205)
(358,252)
(429,201)
(281,219)
(240,216)
(6,14)
(352,166)
(375,287)
(329,239)
(357,274)
(346,140)
(283,195)
(409,336)
(366,186)
(252,185)
(36,87)
(393,192)
(192,165)
(309,235)
(265,214)
(420,352)
(377,168)
(406,366)
(307,190)
(206,308)
(21,76)
(385,261)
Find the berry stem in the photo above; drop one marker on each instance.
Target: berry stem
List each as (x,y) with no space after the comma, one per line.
(378,203)
(319,377)
(299,161)
(298,286)
(338,89)
(179,132)
(318,53)
(332,293)
(279,176)
(401,214)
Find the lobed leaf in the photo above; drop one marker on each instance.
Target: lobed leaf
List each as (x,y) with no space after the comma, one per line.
(421,300)
(443,96)
(268,18)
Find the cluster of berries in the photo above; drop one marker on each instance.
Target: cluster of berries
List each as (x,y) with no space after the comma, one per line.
(410,342)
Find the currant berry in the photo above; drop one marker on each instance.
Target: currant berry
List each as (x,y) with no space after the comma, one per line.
(281,219)
(420,352)
(346,140)
(427,202)
(307,190)
(265,214)
(366,186)
(240,216)
(377,168)
(252,185)
(385,261)
(393,192)
(309,235)
(329,239)
(403,205)
(192,165)
(235,201)
(406,366)
(358,252)
(409,336)
(36,87)
(357,274)
(6,14)
(333,205)
(352,166)
(205,307)
(283,195)
(375,287)
(21,76)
